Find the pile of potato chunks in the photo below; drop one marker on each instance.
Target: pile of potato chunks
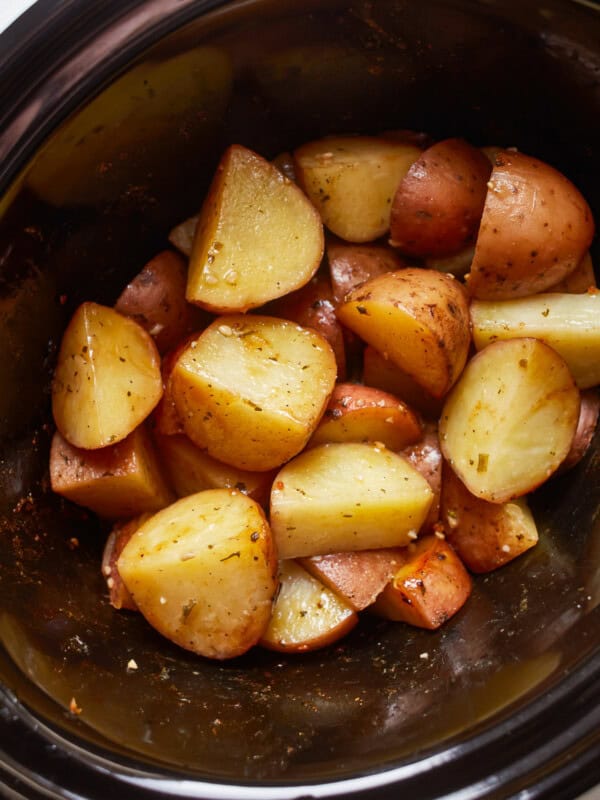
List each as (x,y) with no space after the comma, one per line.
(289,426)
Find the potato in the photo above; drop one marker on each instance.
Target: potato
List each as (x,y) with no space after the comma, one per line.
(569,323)
(426,457)
(353,264)
(340,497)
(107,379)
(351,180)
(182,235)
(191,470)
(586,427)
(510,420)
(437,206)
(535,229)
(458,264)
(357,577)
(258,236)
(581,280)
(485,535)
(306,615)
(285,164)
(251,389)
(155,299)
(419,319)
(165,417)
(361,414)
(428,589)
(121,533)
(121,480)
(203,572)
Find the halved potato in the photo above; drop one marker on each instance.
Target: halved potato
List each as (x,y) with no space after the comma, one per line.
(182,235)
(251,389)
(569,323)
(358,413)
(121,533)
(510,420)
(340,497)
(429,588)
(419,318)
(306,615)
(535,229)
(352,264)
(485,535)
(107,379)
(203,572)
(351,180)
(426,458)
(118,481)
(438,204)
(258,236)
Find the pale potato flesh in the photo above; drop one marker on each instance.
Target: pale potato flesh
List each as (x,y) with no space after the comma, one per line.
(203,572)
(252,389)
(107,379)
(510,420)
(352,180)
(340,497)
(569,323)
(182,235)
(258,236)
(306,614)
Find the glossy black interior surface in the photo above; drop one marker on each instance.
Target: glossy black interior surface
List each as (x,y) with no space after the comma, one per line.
(522,660)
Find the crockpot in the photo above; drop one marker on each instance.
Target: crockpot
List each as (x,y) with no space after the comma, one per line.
(113,116)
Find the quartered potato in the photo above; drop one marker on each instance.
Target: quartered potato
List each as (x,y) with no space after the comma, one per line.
(569,323)
(306,615)
(510,420)
(340,497)
(417,318)
(258,236)
(107,378)
(204,572)
(251,389)
(351,180)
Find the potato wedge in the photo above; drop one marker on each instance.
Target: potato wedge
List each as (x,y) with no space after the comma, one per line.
(352,264)
(118,481)
(340,497)
(428,589)
(419,318)
(437,206)
(258,236)
(510,420)
(586,428)
(485,535)
(251,389)
(203,572)
(426,458)
(580,281)
(358,413)
(357,577)
(306,615)
(351,180)
(569,323)
(182,235)
(107,379)
(192,470)
(121,533)
(535,229)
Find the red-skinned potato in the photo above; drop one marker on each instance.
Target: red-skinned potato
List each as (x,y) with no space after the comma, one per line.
(121,533)
(586,427)
(358,413)
(535,229)
(426,458)
(353,264)
(438,204)
(580,281)
(165,419)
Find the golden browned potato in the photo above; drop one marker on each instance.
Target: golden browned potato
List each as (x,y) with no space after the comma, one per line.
(357,413)
(510,420)
(258,236)
(182,235)
(419,319)
(191,470)
(353,264)
(535,229)
(340,497)
(118,481)
(485,535)
(586,427)
(426,458)
(155,299)
(357,577)
(306,615)
(581,280)
(438,204)
(121,533)
(203,572)
(107,379)
(428,588)
(351,180)
(251,389)
(569,323)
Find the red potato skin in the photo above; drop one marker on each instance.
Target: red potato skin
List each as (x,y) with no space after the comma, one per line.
(118,593)
(535,230)
(165,418)
(426,457)
(353,264)
(438,205)
(586,427)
